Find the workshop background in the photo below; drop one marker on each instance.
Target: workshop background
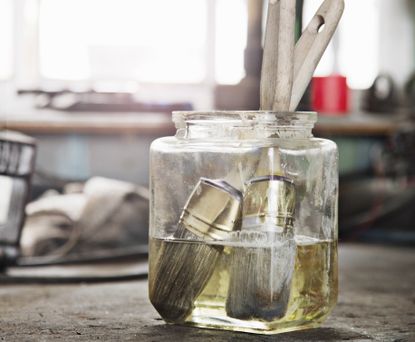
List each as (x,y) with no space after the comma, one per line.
(87,85)
(94,96)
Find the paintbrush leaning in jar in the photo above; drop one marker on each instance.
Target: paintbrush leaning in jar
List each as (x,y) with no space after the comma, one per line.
(261,274)
(182,270)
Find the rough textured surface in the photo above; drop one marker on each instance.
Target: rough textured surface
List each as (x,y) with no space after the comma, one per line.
(377,303)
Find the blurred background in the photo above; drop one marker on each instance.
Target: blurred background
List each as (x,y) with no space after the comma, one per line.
(95,81)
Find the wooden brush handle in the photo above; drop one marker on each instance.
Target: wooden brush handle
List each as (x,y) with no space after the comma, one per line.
(286,41)
(277,65)
(311,46)
(270,60)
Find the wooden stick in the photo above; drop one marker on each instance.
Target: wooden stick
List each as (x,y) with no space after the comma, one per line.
(311,46)
(270,60)
(277,64)
(285,56)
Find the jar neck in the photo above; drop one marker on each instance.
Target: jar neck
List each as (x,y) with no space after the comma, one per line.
(244,125)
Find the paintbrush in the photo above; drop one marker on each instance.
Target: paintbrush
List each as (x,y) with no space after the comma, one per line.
(261,273)
(182,270)
(261,269)
(261,276)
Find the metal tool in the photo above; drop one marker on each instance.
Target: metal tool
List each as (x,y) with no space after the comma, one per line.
(17,156)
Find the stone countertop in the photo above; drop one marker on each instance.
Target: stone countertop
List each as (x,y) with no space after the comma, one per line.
(376,303)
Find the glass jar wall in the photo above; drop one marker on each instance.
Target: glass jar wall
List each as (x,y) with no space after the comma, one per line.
(243,222)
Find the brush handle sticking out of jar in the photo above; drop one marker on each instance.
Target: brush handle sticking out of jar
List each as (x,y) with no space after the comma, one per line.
(182,270)
(261,268)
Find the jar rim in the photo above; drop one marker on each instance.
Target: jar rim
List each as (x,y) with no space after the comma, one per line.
(247,117)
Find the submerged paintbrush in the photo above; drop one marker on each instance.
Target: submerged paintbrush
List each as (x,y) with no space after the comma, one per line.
(182,270)
(261,269)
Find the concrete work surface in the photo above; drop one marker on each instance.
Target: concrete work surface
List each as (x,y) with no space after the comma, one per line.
(376,303)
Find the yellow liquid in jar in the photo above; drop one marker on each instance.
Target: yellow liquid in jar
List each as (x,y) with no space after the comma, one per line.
(313,291)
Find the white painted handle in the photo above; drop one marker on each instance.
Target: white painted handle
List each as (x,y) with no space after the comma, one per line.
(311,46)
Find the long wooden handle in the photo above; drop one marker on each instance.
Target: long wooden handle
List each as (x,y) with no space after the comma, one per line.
(269,59)
(277,64)
(286,41)
(311,46)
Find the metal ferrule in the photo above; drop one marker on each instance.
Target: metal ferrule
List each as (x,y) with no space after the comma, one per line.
(269,204)
(213,210)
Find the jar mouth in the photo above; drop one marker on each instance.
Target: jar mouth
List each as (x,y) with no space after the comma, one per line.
(245,118)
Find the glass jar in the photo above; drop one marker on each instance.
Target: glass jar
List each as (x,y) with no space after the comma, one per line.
(243,222)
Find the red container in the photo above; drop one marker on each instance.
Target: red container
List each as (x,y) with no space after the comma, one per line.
(330,95)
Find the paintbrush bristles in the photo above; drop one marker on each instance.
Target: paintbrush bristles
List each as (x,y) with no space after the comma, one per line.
(260,282)
(181,272)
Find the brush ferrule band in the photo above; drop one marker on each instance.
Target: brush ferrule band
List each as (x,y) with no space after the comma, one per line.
(213,210)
